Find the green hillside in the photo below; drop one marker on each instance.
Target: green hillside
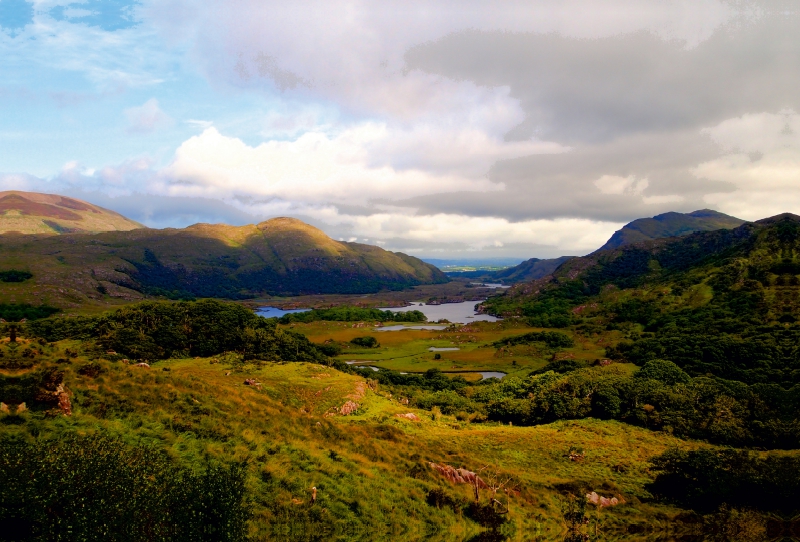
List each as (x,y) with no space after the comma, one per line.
(670,225)
(278,257)
(724,302)
(528,270)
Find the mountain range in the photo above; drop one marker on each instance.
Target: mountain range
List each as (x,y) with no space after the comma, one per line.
(723,302)
(77,251)
(281,256)
(642,229)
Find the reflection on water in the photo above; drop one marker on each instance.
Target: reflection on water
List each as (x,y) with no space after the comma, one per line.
(491,374)
(490,285)
(401,328)
(274,312)
(359,364)
(462,313)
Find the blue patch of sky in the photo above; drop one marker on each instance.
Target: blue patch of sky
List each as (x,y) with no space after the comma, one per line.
(15,15)
(109,15)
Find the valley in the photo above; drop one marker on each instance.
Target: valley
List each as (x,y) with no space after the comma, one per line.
(608,382)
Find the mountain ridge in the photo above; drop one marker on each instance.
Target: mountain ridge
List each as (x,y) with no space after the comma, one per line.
(723,302)
(280,256)
(38,213)
(671,224)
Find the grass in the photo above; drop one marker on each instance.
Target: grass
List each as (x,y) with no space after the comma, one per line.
(371,467)
(408,350)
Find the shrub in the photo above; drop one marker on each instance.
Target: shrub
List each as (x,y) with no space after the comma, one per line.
(366,342)
(663,371)
(96,487)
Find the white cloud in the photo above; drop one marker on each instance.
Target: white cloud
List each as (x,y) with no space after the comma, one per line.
(147,118)
(661,200)
(357,166)
(762,163)
(614,184)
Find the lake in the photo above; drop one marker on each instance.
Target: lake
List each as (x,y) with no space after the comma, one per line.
(462,313)
(484,374)
(401,328)
(273,312)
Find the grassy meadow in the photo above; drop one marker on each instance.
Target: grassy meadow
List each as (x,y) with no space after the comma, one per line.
(371,467)
(408,350)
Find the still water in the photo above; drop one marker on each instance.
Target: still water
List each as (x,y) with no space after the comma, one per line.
(273,312)
(462,313)
(402,327)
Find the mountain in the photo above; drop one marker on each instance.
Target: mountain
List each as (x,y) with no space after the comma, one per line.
(723,302)
(31,212)
(528,270)
(281,256)
(670,225)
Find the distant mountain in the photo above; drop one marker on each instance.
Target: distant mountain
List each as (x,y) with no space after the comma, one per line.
(670,225)
(282,256)
(723,302)
(532,269)
(34,213)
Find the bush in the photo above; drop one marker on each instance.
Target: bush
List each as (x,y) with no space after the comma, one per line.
(162,330)
(553,339)
(663,371)
(352,314)
(96,487)
(14,276)
(366,342)
(15,312)
(705,479)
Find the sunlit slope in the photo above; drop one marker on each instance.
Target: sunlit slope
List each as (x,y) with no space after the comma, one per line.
(279,256)
(371,468)
(34,213)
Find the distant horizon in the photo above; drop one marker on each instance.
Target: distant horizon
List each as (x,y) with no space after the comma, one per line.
(529,129)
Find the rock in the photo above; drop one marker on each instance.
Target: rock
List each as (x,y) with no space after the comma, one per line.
(143,364)
(63,400)
(409,416)
(348,408)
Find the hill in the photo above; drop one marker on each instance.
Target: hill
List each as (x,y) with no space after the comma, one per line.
(280,256)
(670,225)
(528,270)
(34,213)
(724,302)
(210,430)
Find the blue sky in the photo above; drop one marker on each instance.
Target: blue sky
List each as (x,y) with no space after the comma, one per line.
(439,128)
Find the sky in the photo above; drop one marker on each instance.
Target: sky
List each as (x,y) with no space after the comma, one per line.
(443,129)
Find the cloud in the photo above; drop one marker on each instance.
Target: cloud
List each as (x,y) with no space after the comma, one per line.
(614,184)
(147,118)
(361,165)
(762,161)
(530,128)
